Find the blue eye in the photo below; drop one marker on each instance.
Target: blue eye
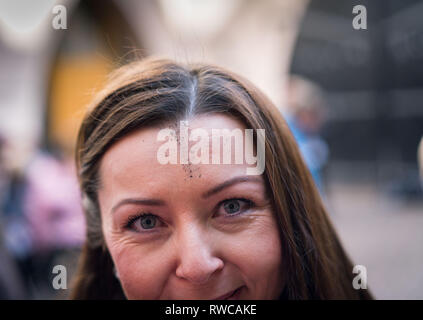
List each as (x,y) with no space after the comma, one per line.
(148,221)
(233,207)
(143,222)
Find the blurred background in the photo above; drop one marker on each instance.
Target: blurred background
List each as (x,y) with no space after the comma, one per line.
(352,98)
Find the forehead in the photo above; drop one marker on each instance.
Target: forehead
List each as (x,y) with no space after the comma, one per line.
(133,160)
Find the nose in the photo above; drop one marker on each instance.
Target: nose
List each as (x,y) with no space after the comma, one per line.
(196,260)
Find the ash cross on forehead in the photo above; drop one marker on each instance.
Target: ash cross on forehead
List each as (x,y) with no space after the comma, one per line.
(199,152)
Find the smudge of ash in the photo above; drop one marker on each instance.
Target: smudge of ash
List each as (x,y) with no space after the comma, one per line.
(191,170)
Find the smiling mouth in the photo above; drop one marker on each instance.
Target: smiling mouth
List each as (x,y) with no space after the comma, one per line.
(233,295)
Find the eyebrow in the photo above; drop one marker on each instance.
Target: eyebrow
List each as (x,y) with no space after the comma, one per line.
(230,183)
(207,194)
(146,202)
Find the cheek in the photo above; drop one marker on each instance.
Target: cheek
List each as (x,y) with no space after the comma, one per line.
(268,256)
(257,254)
(259,243)
(142,273)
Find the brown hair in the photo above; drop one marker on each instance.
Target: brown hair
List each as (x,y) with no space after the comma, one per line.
(153,91)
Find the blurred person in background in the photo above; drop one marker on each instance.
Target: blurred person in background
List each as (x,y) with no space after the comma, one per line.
(11,284)
(53,210)
(305,115)
(56,222)
(42,220)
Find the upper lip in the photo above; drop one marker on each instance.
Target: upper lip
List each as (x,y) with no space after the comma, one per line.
(226,295)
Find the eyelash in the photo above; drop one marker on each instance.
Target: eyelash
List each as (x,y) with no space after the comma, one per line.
(132,219)
(250,204)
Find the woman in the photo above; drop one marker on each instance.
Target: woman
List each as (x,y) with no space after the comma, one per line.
(199,229)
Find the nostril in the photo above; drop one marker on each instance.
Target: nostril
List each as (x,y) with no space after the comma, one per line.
(199,271)
(193,278)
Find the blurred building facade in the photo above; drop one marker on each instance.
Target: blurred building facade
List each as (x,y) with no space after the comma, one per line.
(374,88)
(47,82)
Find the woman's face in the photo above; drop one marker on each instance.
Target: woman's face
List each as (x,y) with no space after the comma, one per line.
(184,231)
